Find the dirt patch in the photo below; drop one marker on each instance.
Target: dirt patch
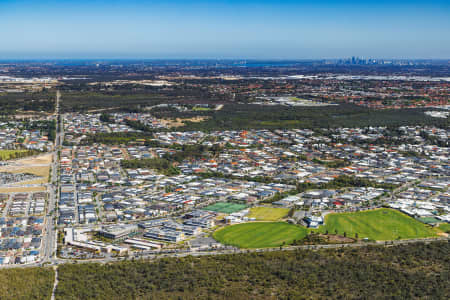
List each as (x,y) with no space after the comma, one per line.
(338,239)
(41,171)
(125,153)
(30,115)
(41,180)
(178,122)
(37,160)
(20,189)
(38,165)
(102,109)
(38,171)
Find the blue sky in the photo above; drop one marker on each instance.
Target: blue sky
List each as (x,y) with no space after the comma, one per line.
(224,29)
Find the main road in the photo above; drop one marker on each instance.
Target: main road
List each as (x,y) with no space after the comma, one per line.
(211,252)
(48,248)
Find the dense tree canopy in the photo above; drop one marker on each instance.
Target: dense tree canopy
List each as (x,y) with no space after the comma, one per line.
(26,283)
(408,271)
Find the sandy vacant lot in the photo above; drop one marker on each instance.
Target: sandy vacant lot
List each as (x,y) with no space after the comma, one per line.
(20,189)
(39,166)
(37,160)
(180,122)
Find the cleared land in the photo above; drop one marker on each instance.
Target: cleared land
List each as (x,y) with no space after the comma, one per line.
(42,172)
(225,207)
(38,165)
(267,213)
(379,224)
(23,189)
(37,160)
(177,122)
(260,234)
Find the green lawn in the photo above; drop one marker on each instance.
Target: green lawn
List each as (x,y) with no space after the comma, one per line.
(262,213)
(10,154)
(260,234)
(445,227)
(225,207)
(201,109)
(379,224)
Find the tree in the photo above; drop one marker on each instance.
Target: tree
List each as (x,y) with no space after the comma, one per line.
(291,212)
(104,117)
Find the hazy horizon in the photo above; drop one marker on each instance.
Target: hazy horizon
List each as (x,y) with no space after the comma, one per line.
(246,59)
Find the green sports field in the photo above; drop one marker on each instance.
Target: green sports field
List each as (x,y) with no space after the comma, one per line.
(445,227)
(267,213)
(378,224)
(225,207)
(260,234)
(201,109)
